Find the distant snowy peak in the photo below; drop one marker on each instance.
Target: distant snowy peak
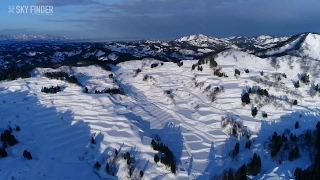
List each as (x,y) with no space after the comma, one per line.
(25,37)
(202,40)
(302,45)
(197,37)
(310,46)
(235,42)
(262,41)
(267,39)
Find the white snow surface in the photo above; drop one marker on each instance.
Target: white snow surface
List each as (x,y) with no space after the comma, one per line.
(112,56)
(311,46)
(57,128)
(201,40)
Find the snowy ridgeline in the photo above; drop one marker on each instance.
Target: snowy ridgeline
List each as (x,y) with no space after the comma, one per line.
(148,119)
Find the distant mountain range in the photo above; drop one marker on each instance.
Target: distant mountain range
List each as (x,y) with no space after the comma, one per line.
(25,37)
(42,50)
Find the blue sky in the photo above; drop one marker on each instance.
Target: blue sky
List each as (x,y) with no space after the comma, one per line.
(163,19)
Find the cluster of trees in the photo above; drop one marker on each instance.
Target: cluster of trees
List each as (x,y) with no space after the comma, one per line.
(278,142)
(8,139)
(13,74)
(212,63)
(234,127)
(153,65)
(147,77)
(212,96)
(262,92)
(27,154)
(237,72)
(62,76)
(199,68)
(218,72)
(111,167)
(313,171)
(253,168)
(305,78)
(166,158)
(259,91)
(247,71)
(110,91)
(180,63)
(130,163)
(51,89)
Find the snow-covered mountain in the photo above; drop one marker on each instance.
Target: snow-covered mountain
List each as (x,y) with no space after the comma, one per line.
(236,42)
(203,41)
(28,37)
(161,110)
(302,45)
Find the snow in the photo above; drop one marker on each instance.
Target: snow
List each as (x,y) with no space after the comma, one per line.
(112,56)
(310,46)
(202,40)
(205,50)
(56,128)
(100,53)
(32,53)
(284,48)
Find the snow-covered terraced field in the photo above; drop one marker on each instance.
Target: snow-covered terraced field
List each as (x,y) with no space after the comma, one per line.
(57,128)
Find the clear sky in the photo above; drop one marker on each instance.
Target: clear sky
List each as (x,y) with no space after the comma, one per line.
(162,19)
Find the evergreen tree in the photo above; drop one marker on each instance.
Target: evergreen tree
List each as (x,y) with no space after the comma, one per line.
(254,112)
(213,63)
(156,158)
(245,98)
(297,84)
(296,125)
(3,153)
(295,102)
(92,140)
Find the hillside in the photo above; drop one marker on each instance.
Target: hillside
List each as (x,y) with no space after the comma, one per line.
(192,112)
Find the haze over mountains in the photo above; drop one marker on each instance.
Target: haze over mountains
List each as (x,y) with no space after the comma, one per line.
(196,107)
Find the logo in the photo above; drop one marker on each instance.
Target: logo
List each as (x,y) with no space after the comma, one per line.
(33,10)
(11,9)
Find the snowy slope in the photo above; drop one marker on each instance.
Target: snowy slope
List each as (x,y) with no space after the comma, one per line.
(57,128)
(310,46)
